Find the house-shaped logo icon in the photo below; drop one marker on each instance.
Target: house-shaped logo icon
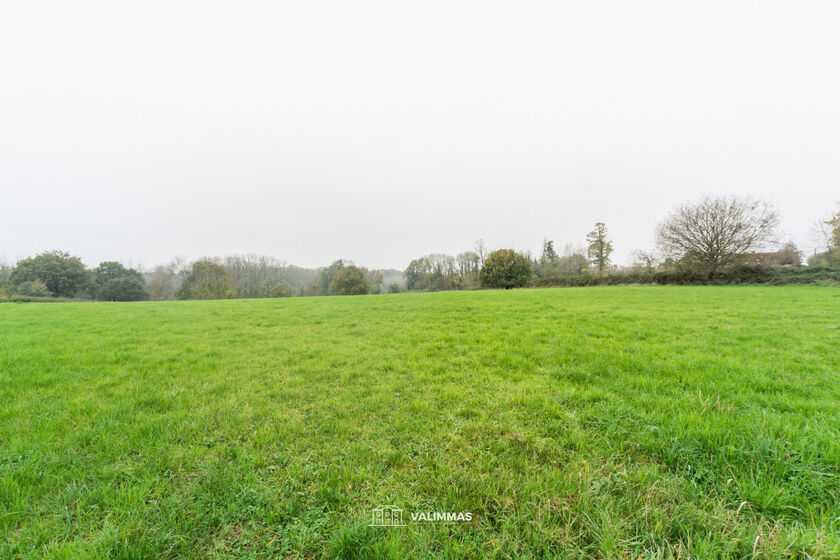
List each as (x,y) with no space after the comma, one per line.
(387,516)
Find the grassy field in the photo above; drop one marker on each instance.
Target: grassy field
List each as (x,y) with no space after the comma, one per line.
(625,422)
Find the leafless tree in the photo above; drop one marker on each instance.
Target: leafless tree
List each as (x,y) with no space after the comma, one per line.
(645,260)
(481,250)
(374,279)
(182,267)
(162,282)
(822,234)
(573,261)
(254,275)
(469,265)
(716,232)
(834,224)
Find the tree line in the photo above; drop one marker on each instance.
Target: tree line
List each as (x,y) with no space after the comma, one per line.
(60,275)
(714,240)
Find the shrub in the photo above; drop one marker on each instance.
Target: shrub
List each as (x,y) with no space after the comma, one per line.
(745,274)
(281,289)
(807,275)
(739,274)
(828,259)
(350,281)
(114,282)
(506,269)
(35,288)
(122,289)
(612,279)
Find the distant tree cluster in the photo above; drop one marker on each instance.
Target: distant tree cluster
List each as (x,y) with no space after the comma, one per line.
(550,264)
(56,274)
(206,280)
(250,276)
(253,276)
(443,272)
(437,272)
(256,276)
(343,278)
(350,281)
(507,268)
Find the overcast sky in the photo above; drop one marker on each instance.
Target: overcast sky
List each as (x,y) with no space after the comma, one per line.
(382,131)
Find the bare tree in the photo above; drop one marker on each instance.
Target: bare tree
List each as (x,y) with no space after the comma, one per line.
(645,260)
(716,232)
(182,267)
(822,234)
(374,279)
(834,224)
(162,282)
(469,265)
(481,250)
(254,275)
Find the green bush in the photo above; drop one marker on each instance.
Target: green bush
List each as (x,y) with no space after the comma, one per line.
(281,289)
(114,282)
(35,288)
(807,275)
(63,274)
(506,269)
(612,279)
(122,289)
(350,281)
(828,259)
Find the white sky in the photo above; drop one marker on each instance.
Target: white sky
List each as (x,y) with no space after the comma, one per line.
(381,131)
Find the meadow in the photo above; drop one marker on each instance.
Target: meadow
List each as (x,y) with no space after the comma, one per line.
(605,422)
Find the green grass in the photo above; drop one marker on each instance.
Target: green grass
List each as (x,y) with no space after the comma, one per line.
(625,422)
